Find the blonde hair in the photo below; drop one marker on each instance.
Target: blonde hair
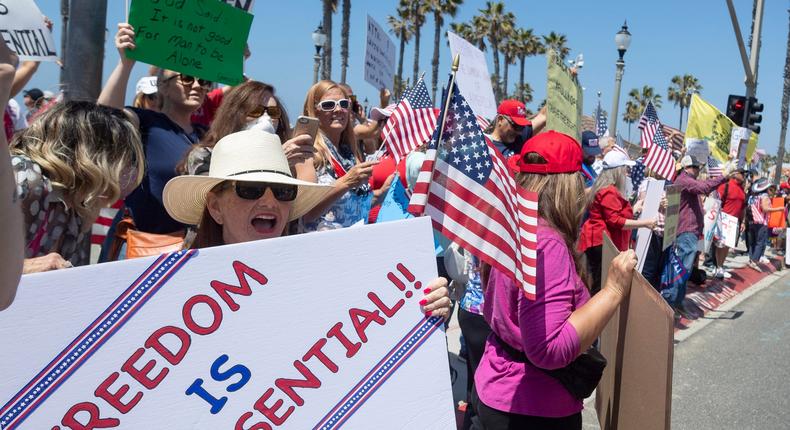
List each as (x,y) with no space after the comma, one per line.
(615,176)
(322,155)
(560,203)
(86,151)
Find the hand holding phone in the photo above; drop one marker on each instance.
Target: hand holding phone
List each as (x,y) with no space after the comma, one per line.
(306,125)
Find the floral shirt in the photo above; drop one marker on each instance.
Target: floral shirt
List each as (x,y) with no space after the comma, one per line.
(354,205)
(472,301)
(49,225)
(198,161)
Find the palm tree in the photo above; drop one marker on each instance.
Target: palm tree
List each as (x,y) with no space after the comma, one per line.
(468,32)
(783,113)
(510,49)
(417,10)
(496,23)
(523,92)
(440,9)
(527,45)
(680,92)
(400,25)
(557,42)
(329,7)
(646,94)
(631,115)
(344,40)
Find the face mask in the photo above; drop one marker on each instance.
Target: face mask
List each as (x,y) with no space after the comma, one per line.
(263,123)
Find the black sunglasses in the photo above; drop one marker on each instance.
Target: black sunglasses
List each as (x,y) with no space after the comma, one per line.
(255,190)
(189,80)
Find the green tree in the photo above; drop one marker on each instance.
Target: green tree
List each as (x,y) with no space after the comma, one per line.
(400,25)
(631,115)
(522,92)
(440,8)
(557,42)
(680,93)
(496,23)
(528,44)
(346,11)
(417,10)
(510,49)
(783,112)
(329,7)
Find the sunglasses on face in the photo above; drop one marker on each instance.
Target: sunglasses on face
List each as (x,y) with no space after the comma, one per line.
(273,111)
(256,190)
(516,127)
(330,105)
(187,80)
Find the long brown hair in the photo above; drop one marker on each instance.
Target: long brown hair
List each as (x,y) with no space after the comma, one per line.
(322,155)
(560,203)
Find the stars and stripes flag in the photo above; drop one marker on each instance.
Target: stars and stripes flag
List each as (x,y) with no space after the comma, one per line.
(412,122)
(659,157)
(601,128)
(715,168)
(472,198)
(638,172)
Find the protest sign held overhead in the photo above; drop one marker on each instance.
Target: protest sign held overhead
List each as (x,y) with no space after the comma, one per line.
(202,38)
(563,98)
(23,29)
(239,336)
(472,77)
(245,5)
(379,56)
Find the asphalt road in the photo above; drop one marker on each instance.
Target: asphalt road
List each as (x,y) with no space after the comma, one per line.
(735,373)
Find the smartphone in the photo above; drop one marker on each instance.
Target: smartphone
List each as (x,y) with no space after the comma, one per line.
(306,125)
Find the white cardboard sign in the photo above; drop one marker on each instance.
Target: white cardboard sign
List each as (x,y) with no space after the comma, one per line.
(245,5)
(653,194)
(729,229)
(23,30)
(313,331)
(472,77)
(379,56)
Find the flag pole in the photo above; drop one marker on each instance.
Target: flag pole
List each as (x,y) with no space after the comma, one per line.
(443,116)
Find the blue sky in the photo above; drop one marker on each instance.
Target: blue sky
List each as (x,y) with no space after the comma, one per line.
(669,38)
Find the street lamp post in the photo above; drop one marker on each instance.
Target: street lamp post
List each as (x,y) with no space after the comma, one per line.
(623,40)
(319,39)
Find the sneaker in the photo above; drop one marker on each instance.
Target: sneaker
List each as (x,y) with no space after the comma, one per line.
(765,260)
(754,266)
(718,273)
(725,274)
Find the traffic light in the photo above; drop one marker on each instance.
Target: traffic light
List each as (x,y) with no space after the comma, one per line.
(736,108)
(753,119)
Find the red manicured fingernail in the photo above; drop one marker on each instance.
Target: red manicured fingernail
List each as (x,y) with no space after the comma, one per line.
(428,313)
(423,302)
(427,290)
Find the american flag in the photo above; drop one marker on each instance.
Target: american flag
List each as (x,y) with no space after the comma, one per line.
(659,157)
(638,172)
(473,200)
(715,169)
(412,122)
(600,122)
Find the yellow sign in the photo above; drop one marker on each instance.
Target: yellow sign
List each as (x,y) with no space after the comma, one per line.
(707,123)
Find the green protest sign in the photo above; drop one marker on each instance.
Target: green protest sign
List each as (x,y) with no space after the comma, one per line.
(563,98)
(203,38)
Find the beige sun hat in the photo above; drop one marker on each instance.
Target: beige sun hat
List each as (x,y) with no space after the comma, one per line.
(250,155)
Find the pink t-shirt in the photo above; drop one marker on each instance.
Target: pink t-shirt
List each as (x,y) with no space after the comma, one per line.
(539,328)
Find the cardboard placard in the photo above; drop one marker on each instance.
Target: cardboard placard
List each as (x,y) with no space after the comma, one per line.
(739,143)
(273,333)
(472,78)
(563,98)
(729,229)
(698,149)
(24,32)
(379,56)
(202,38)
(245,5)
(711,210)
(653,194)
(671,216)
(635,391)
(777,219)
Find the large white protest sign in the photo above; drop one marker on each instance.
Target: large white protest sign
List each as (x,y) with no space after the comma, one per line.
(23,29)
(379,56)
(313,331)
(711,211)
(245,5)
(698,149)
(472,77)
(653,194)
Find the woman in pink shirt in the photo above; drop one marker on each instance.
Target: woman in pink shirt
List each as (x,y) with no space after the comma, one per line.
(563,321)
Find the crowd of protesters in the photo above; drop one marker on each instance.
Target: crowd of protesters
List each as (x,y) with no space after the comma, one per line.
(190,165)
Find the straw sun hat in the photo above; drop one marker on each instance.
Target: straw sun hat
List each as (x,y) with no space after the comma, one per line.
(251,155)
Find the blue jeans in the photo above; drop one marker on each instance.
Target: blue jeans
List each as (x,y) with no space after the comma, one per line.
(686,246)
(759,240)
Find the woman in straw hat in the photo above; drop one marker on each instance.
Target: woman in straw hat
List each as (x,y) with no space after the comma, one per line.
(560,323)
(249,194)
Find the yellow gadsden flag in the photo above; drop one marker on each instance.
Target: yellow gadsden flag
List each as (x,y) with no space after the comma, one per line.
(707,123)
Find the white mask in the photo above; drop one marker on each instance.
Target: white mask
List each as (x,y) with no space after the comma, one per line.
(263,123)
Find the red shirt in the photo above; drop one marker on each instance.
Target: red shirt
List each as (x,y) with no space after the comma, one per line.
(381,172)
(608,213)
(205,115)
(736,198)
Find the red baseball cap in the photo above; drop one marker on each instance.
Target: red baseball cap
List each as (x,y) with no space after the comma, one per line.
(562,153)
(515,110)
